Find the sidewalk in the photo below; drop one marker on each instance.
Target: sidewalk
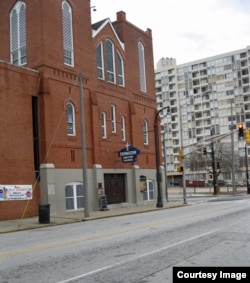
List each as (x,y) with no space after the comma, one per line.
(114,210)
(72,217)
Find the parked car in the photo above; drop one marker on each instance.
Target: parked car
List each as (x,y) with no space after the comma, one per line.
(221,183)
(237,184)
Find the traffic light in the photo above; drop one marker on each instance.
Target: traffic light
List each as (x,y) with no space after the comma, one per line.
(204,151)
(247,135)
(241,130)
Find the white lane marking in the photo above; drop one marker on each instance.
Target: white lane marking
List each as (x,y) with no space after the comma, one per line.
(146,254)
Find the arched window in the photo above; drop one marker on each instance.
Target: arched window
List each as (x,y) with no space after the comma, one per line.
(99,59)
(74,196)
(104,127)
(123,129)
(120,68)
(113,118)
(18,34)
(142,67)
(70,119)
(67,34)
(145,131)
(110,61)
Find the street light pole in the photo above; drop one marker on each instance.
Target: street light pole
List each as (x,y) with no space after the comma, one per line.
(157,159)
(182,150)
(182,162)
(165,163)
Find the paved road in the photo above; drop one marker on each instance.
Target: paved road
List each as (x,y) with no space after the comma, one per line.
(140,248)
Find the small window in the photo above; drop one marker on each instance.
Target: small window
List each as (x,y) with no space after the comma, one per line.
(148,194)
(120,70)
(123,129)
(104,127)
(99,59)
(74,195)
(67,34)
(145,131)
(110,61)
(71,119)
(113,118)
(142,67)
(18,34)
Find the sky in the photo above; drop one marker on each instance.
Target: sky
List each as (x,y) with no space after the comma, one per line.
(186,30)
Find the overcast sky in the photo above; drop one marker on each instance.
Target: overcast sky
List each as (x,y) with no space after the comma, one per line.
(186,30)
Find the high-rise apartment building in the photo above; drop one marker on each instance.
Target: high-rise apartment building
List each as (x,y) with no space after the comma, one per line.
(204,102)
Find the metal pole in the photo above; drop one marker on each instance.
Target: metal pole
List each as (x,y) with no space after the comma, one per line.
(213,167)
(232,149)
(84,152)
(183,162)
(157,159)
(165,164)
(247,173)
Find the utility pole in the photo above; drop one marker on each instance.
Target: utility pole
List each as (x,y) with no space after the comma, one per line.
(84,152)
(232,149)
(213,166)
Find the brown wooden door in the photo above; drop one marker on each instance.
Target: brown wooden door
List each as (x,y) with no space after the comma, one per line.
(115,188)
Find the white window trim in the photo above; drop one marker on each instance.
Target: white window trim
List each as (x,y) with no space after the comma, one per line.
(150,190)
(74,185)
(20,51)
(122,70)
(102,62)
(113,118)
(104,125)
(113,63)
(145,132)
(123,128)
(142,69)
(73,119)
(69,47)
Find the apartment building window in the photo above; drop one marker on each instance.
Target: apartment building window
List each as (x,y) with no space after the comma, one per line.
(145,131)
(67,34)
(104,125)
(142,67)
(70,119)
(110,61)
(99,59)
(123,129)
(74,196)
(18,34)
(120,68)
(113,118)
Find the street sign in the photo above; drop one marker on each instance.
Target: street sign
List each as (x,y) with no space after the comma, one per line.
(129,154)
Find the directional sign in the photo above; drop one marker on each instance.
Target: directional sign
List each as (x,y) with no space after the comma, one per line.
(129,154)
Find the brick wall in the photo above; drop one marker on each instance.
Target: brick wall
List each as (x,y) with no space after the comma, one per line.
(17,86)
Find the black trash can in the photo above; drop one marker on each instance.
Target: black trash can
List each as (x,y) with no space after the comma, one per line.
(44,213)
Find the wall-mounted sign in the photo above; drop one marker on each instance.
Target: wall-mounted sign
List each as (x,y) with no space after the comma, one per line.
(15,192)
(129,153)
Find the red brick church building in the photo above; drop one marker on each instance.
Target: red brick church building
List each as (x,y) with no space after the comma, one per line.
(51,55)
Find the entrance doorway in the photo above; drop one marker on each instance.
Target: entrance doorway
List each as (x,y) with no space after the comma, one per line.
(115,188)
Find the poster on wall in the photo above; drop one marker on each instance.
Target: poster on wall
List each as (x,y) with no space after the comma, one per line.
(15,192)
